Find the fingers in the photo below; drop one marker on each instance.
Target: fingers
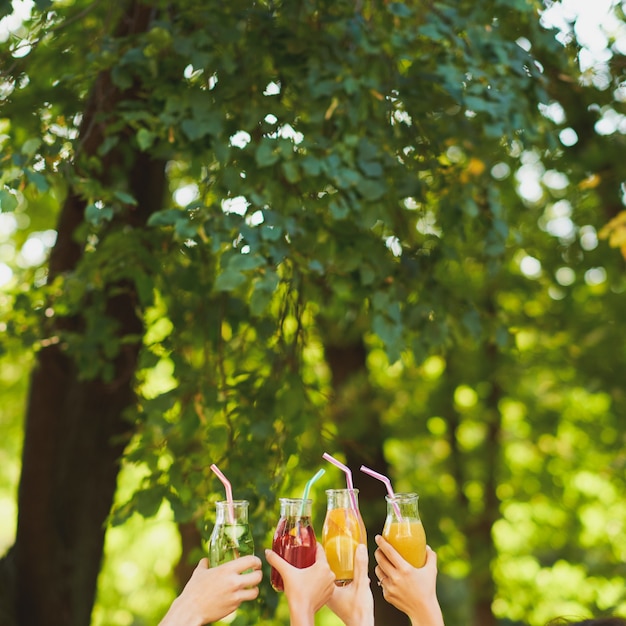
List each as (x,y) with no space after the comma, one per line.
(203,564)
(248,562)
(431,558)
(361,560)
(251,578)
(390,552)
(241,564)
(247,594)
(320,553)
(277,562)
(381,559)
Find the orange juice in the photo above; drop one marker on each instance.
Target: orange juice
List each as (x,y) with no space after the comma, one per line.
(408,538)
(403,528)
(341,535)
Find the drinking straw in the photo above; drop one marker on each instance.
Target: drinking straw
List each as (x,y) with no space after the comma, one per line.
(384,479)
(307,488)
(348,473)
(229,492)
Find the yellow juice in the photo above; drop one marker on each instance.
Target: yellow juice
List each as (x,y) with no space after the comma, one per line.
(408,538)
(340,537)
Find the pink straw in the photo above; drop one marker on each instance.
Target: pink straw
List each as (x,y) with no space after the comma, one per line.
(348,473)
(384,479)
(229,492)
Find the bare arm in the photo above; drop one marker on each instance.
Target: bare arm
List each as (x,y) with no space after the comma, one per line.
(412,590)
(354,603)
(308,589)
(213,593)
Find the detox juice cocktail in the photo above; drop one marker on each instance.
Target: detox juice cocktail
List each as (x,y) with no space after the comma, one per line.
(403,528)
(342,533)
(294,538)
(231,536)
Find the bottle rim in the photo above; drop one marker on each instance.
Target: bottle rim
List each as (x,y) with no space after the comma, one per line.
(295,500)
(329,491)
(408,495)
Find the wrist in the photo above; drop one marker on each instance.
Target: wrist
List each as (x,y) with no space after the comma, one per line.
(428,615)
(301,615)
(180,615)
(360,619)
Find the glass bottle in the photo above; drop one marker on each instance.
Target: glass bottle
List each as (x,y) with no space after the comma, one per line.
(294,537)
(403,528)
(342,532)
(231,536)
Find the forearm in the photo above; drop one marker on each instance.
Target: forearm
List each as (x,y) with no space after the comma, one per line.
(180,615)
(360,619)
(427,615)
(301,618)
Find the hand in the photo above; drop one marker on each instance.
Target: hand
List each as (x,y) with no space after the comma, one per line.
(411,589)
(308,589)
(354,603)
(213,593)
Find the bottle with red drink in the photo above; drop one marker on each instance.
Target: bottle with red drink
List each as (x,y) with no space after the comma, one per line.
(294,538)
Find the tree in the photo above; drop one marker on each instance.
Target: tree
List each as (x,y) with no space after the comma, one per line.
(246,195)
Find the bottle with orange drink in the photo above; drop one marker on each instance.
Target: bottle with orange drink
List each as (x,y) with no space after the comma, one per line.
(342,532)
(403,528)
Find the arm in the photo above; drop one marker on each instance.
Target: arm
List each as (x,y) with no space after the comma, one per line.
(308,589)
(213,593)
(412,590)
(354,603)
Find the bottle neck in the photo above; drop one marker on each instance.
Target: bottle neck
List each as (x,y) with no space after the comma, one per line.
(403,506)
(342,498)
(295,507)
(231,513)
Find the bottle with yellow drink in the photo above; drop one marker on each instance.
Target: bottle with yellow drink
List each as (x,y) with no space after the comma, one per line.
(342,532)
(403,528)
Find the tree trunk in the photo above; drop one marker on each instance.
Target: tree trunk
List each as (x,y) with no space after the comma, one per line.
(477,527)
(75,430)
(360,437)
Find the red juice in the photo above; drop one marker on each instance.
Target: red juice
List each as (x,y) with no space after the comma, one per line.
(294,540)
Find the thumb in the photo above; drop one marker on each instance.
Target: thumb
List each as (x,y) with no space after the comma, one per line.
(361,560)
(320,553)
(271,557)
(277,562)
(203,563)
(431,558)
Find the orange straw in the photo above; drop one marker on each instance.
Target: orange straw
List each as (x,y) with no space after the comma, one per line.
(348,473)
(384,479)
(229,492)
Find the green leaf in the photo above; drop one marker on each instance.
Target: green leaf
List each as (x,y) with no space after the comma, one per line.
(290,169)
(108,144)
(168,217)
(8,201)
(399,9)
(194,129)
(338,208)
(311,166)
(124,197)
(264,290)
(373,169)
(244,262)
(37,179)
(148,501)
(372,189)
(233,275)
(145,138)
(229,280)
(96,215)
(471,321)
(30,146)
(266,153)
